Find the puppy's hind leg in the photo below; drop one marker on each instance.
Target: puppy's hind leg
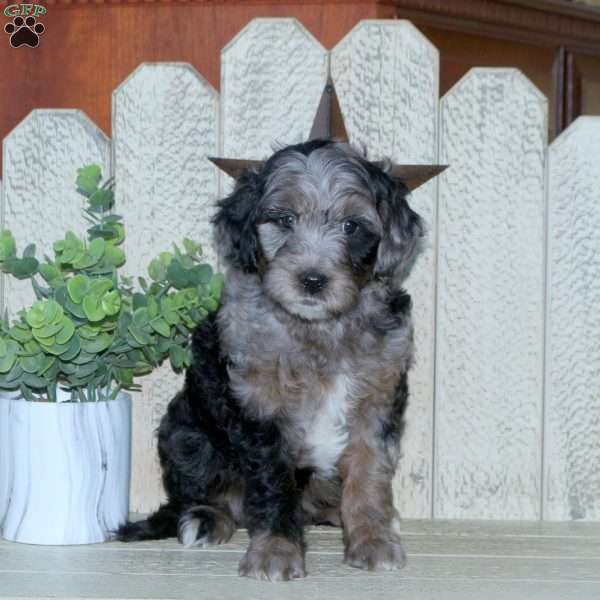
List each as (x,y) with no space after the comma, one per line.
(205,525)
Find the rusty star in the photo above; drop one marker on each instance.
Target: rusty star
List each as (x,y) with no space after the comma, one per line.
(329,123)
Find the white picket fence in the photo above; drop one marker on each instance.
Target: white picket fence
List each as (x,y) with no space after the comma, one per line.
(504,420)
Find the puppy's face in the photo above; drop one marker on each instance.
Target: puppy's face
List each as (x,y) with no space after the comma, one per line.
(319,231)
(317,223)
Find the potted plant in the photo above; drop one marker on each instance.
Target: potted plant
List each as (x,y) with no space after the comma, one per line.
(65,361)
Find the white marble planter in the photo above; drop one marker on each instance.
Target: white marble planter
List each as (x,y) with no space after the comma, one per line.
(64,469)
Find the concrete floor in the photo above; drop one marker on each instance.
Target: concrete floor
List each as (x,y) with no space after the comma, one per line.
(446,559)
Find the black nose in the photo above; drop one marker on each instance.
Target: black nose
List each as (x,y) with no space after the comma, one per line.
(313,281)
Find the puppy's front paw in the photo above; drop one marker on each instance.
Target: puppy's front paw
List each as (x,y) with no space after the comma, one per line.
(376,554)
(273,558)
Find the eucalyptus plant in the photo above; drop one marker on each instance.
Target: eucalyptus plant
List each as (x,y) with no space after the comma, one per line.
(92,330)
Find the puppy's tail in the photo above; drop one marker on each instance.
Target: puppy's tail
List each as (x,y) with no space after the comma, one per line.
(159,525)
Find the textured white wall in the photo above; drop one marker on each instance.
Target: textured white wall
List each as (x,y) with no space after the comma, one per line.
(572,411)
(480,441)
(272,76)
(165,124)
(488,421)
(386,76)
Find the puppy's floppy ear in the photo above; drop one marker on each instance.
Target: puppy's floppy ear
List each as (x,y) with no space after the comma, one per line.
(402,228)
(235,222)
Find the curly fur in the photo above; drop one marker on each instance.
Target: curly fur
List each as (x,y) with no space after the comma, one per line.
(292,412)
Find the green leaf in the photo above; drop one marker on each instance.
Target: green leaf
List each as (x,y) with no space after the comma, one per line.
(84,261)
(75,309)
(157,270)
(92,309)
(201,274)
(66,332)
(141,317)
(53,311)
(29,251)
(78,287)
(124,377)
(46,364)
(153,307)
(20,334)
(21,268)
(139,300)
(50,272)
(56,349)
(101,343)
(111,303)
(82,371)
(31,348)
(14,374)
(34,381)
(165,258)
(83,357)
(31,364)
(88,179)
(119,235)
(177,357)
(210,304)
(96,248)
(169,312)
(99,287)
(73,248)
(8,248)
(9,357)
(35,315)
(114,256)
(102,198)
(192,247)
(47,331)
(177,275)
(123,324)
(216,285)
(74,347)
(140,336)
(161,327)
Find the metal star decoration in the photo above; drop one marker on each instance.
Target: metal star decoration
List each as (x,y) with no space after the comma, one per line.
(329,123)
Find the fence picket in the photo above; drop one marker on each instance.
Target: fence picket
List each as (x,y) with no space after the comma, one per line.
(272,76)
(165,123)
(41,156)
(386,75)
(488,419)
(572,406)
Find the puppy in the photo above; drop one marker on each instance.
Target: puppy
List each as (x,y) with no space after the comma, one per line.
(292,411)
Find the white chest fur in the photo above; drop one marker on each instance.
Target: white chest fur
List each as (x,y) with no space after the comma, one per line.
(327,433)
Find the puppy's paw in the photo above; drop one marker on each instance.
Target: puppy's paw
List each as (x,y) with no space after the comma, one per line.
(273,558)
(376,554)
(204,526)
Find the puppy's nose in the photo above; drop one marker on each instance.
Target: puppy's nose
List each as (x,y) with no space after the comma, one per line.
(313,281)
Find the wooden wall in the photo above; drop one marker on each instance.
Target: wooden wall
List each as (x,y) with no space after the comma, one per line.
(90,46)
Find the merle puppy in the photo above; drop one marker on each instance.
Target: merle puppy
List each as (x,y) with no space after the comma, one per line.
(293,409)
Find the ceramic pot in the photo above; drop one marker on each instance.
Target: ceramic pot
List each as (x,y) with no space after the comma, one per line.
(64,469)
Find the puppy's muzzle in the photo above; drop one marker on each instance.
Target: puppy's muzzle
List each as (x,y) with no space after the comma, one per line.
(313,281)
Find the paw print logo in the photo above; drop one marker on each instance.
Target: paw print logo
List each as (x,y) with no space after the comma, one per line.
(24,32)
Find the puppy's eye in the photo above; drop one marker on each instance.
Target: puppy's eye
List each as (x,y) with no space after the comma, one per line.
(287,221)
(349,227)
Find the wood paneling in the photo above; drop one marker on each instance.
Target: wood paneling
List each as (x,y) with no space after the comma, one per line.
(386,75)
(88,49)
(165,122)
(489,328)
(39,197)
(572,411)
